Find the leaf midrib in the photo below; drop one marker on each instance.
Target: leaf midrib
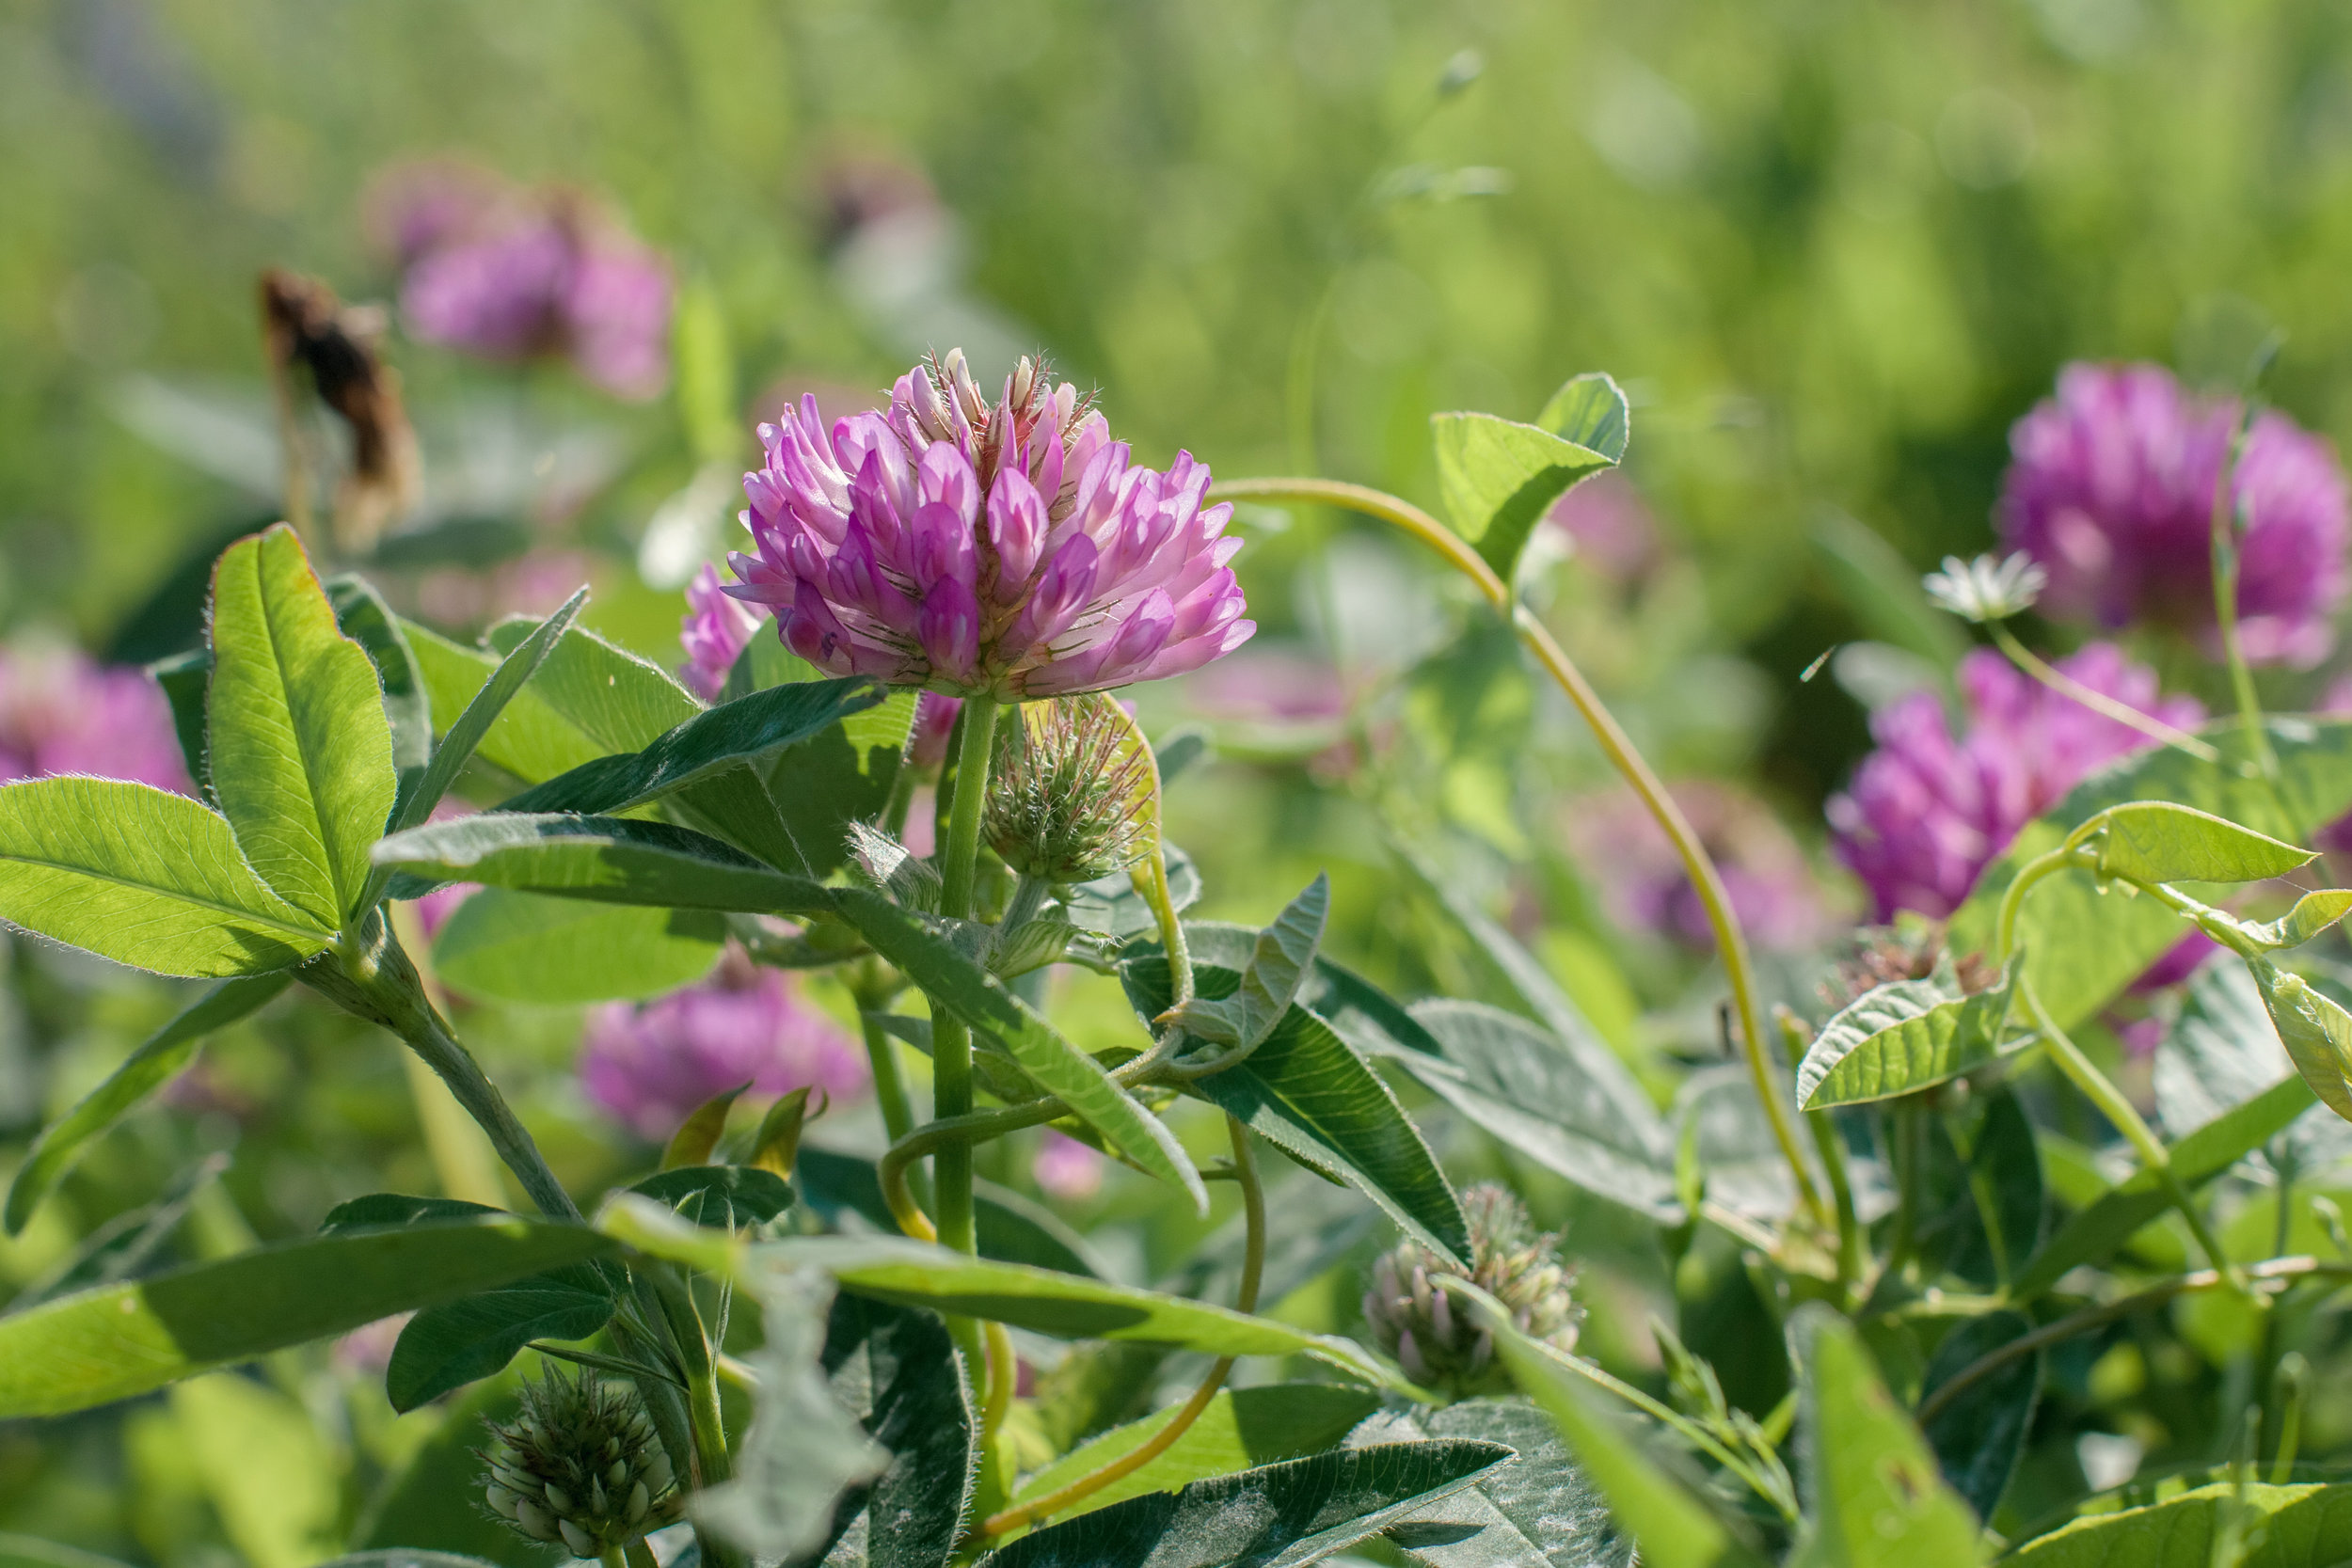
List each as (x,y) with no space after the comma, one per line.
(311,931)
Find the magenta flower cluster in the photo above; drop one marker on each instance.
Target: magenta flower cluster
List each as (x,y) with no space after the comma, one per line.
(513,272)
(1927,813)
(2112,489)
(60,713)
(717,629)
(650,1065)
(1013,551)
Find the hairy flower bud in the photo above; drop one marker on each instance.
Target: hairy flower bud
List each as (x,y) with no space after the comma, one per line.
(1432,1336)
(1066,791)
(580,1465)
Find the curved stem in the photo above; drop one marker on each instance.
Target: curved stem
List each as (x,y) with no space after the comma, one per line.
(977,1127)
(2225,578)
(2284,1270)
(1245,1300)
(2101,1091)
(2013,898)
(1731,940)
(1004,1376)
(2099,702)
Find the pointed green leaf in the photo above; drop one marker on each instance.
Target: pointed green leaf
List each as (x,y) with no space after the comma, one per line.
(111,1344)
(2312,913)
(708,743)
(1877,1498)
(844,775)
(1271,979)
(896,1372)
(1500,478)
(981,1000)
(2158,841)
(587,700)
(1672,1526)
(1979,1435)
(301,754)
(1591,411)
(2315,1028)
(1902,1037)
(722,1196)
(1278,1516)
(1547,1100)
(545,951)
(1310,1096)
(691,1144)
(1540,1511)
(1240,1428)
(2083,947)
(142,877)
(145,1071)
(614,860)
(915,1274)
(446,1347)
(2301,1526)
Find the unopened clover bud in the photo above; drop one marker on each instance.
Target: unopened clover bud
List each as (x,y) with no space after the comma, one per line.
(1068,791)
(580,1465)
(1987,588)
(1433,1337)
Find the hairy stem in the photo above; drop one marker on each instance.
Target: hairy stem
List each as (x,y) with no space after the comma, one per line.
(2225,578)
(2106,708)
(1245,1300)
(951,1040)
(1731,940)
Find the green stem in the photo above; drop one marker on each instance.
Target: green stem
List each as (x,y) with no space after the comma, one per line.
(1731,943)
(2101,1091)
(1029,896)
(2289,1388)
(2225,578)
(2067,686)
(2014,898)
(951,1041)
(641,1556)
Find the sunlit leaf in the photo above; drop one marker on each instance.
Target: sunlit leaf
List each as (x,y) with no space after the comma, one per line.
(301,752)
(1904,1037)
(2303,1525)
(1278,1516)
(123,1339)
(2157,841)
(1877,1500)
(142,877)
(2315,1028)
(1278,963)
(1591,411)
(1499,479)
(2312,914)
(362,615)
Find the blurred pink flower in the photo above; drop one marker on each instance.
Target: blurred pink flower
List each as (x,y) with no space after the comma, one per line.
(366,1351)
(515,273)
(650,1064)
(1009,552)
(62,713)
(934,725)
(1066,1168)
(1268,685)
(1644,884)
(1609,523)
(1926,814)
(2112,489)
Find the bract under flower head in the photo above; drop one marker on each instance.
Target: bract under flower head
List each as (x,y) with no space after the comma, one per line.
(1927,813)
(2112,489)
(1009,552)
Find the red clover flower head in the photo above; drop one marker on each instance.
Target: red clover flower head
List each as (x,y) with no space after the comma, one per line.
(651,1065)
(1010,552)
(2112,489)
(1927,813)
